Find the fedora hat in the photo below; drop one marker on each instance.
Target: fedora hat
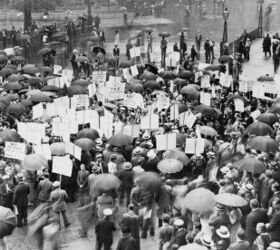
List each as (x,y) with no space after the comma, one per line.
(223,232)
(211,154)
(206,240)
(127,165)
(146,136)
(20,176)
(178,223)
(137,151)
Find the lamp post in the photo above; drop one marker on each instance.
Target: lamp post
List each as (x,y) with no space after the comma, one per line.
(260,24)
(225,33)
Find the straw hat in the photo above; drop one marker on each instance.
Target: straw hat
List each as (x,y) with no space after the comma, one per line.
(107,211)
(178,223)
(206,240)
(223,232)
(56,184)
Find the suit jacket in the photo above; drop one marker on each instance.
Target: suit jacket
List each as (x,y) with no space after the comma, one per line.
(131,220)
(165,233)
(59,197)
(180,237)
(126,178)
(274,227)
(240,245)
(104,231)
(253,218)
(6,198)
(127,243)
(20,198)
(44,189)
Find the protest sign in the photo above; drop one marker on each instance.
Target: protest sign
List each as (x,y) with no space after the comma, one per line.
(243,86)
(133,100)
(115,88)
(239,105)
(83,116)
(166,141)
(131,130)
(213,91)
(135,52)
(150,121)
(62,166)
(43,149)
(80,101)
(57,69)
(14,150)
(226,80)
(91,89)
(258,91)
(174,112)
(99,76)
(73,150)
(205,98)
(205,81)
(50,109)
(172,59)
(37,111)
(32,132)
(162,102)
(134,70)
(155,56)
(194,146)
(126,73)
(187,119)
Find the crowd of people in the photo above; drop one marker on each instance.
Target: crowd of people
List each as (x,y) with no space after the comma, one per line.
(223,194)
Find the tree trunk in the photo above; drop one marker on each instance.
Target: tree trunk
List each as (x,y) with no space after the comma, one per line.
(27,14)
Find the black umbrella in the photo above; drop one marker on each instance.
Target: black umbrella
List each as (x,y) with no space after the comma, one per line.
(97,49)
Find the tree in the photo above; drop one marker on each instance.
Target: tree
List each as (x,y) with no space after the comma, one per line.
(27,6)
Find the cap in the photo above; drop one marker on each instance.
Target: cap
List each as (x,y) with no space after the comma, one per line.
(56,184)
(211,154)
(107,211)
(178,222)
(95,169)
(137,151)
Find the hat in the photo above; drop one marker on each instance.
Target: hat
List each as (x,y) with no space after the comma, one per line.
(98,141)
(127,165)
(225,170)
(146,136)
(75,51)
(178,222)
(137,151)
(274,245)
(220,207)
(107,211)
(249,187)
(151,154)
(211,154)
(95,169)
(223,232)
(241,234)
(98,156)
(5,177)
(206,240)
(149,145)
(20,176)
(56,184)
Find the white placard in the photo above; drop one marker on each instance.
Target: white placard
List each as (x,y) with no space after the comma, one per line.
(43,149)
(91,89)
(162,102)
(134,70)
(73,150)
(57,69)
(205,98)
(134,52)
(15,150)
(258,91)
(126,73)
(239,105)
(80,101)
(32,132)
(225,80)
(194,146)
(166,141)
(174,112)
(115,88)
(62,166)
(37,111)
(205,81)
(150,121)
(99,76)
(155,56)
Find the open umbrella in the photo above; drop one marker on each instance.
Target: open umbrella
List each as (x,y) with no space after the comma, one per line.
(40,97)
(150,181)
(85,143)
(31,70)
(230,200)
(180,82)
(76,90)
(164,34)
(58,35)
(58,148)
(151,84)
(50,88)
(151,68)
(199,200)
(105,182)
(7,71)
(80,82)
(268,118)
(206,111)
(15,78)
(225,59)
(125,64)
(9,135)
(147,29)
(275,108)
(44,51)
(259,128)
(251,165)
(45,69)
(3,59)
(147,75)
(98,49)
(178,155)
(12,97)
(170,166)
(192,246)
(137,88)
(266,78)
(88,133)
(7,222)
(190,92)
(34,162)
(168,75)
(18,59)
(264,144)
(185,74)
(120,140)
(16,109)
(15,86)
(208,131)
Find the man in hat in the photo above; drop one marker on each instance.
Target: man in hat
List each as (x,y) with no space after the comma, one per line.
(20,199)
(6,193)
(242,243)
(127,182)
(126,242)
(180,233)
(256,216)
(58,198)
(104,231)
(166,231)
(137,157)
(99,163)
(222,237)
(82,181)
(152,162)
(95,170)
(45,188)
(273,227)
(131,221)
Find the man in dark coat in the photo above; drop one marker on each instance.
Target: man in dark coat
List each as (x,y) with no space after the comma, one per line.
(256,216)
(127,181)
(166,231)
(131,220)
(273,227)
(45,188)
(6,193)
(180,233)
(241,243)
(266,45)
(104,231)
(126,242)
(20,199)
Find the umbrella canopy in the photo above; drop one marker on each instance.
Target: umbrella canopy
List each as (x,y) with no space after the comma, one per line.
(164,34)
(12,97)
(18,59)
(192,246)
(170,166)
(199,200)
(34,162)
(58,148)
(3,58)
(120,140)
(31,70)
(190,92)
(231,200)
(151,68)
(44,51)
(9,135)
(50,88)
(76,90)
(151,84)
(40,97)
(125,64)
(213,68)
(45,69)
(268,118)
(264,143)
(7,221)
(150,181)
(275,108)
(233,97)
(16,109)
(80,82)
(7,71)
(185,74)
(259,128)
(105,182)
(208,131)
(82,59)
(58,35)
(180,82)
(266,78)
(98,49)
(168,75)
(88,133)
(15,86)
(137,88)
(147,75)
(85,143)
(15,78)
(178,155)
(225,59)
(251,165)
(147,29)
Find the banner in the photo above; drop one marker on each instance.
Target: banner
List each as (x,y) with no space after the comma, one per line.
(99,76)
(62,166)
(14,150)
(115,88)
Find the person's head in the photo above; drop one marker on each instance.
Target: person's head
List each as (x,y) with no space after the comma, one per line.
(107,212)
(131,207)
(5,178)
(56,185)
(20,177)
(260,228)
(125,230)
(116,31)
(46,175)
(83,167)
(189,238)
(178,223)
(165,218)
(241,234)
(254,204)
(113,158)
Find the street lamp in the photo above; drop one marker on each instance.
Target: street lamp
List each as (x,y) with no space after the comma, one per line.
(225,16)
